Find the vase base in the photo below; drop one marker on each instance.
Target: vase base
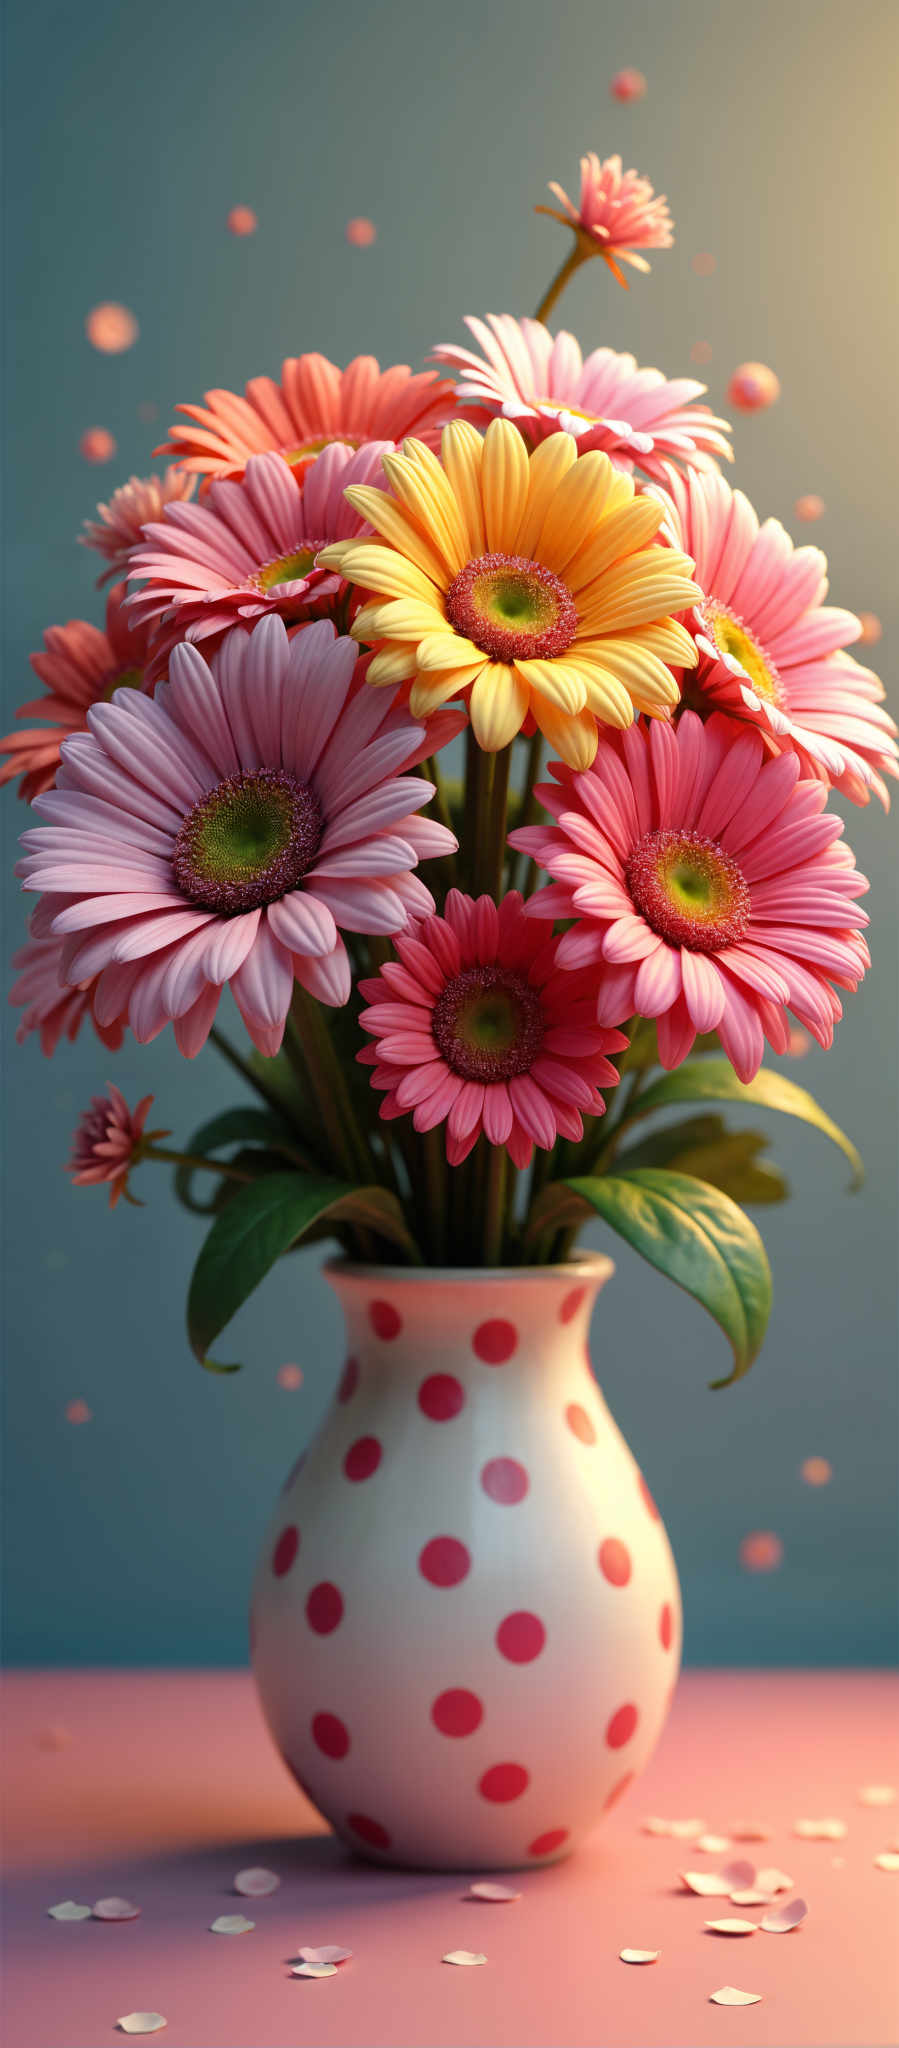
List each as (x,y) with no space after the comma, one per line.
(473,1866)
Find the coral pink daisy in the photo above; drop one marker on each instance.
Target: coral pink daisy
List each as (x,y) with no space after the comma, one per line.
(108,1141)
(541,382)
(250,548)
(617,213)
(229,829)
(711,889)
(770,650)
(80,666)
(49,1006)
(315,403)
(478,1027)
(119,526)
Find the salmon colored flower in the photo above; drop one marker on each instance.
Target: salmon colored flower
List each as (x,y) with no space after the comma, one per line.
(108,1141)
(477,1027)
(120,524)
(49,1005)
(531,584)
(80,666)
(618,213)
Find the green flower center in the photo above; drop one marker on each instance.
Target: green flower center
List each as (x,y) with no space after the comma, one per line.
(248,841)
(512,608)
(125,679)
(689,890)
(288,568)
(306,451)
(488,1024)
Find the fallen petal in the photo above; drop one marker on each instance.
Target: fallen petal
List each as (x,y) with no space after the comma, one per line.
(729,1995)
(820,1830)
(887,1860)
(750,1831)
(713,1845)
(67,1910)
(231,1923)
(731,1926)
(784,1917)
(639,1955)
(327,1954)
(750,1898)
(314,1970)
(682,1830)
(708,1884)
(468,1957)
(256,1883)
(738,1874)
(141,2022)
(492,1894)
(773,1880)
(115,1909)
(877,1795)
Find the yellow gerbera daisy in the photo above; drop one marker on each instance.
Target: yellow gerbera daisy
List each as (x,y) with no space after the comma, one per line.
(531,582)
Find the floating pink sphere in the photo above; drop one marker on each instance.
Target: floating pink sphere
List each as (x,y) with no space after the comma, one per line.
(752,387)
(872,630)
(242,220)
(78,1411)
(816,1471)
(360,233)
(628,85)
(799,1043)
(111,328)
(761,1551)
(810,507)
(97,444)
(703,263)
(290,1376)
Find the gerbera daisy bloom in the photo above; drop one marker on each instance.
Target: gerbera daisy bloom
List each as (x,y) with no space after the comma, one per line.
(541,381)
(49,1006)
(108,1141)
(476,1026)
(249,549)
(529,582)
(119,526)
(314,404)
(771,651)
(711,888)
(80,666)
(617,213)
(228,830)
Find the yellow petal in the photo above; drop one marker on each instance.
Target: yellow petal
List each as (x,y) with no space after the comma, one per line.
(624,532)
(637,591)
(383,569)
(504,484)
(635,665)
(498,706)
(392,664)
(578,507)
(462,451)
(334,555)
(447,650)
(401,618)
(427,496)
(575,740)
(668,640)
(548,464)
(607,697)
(556,680)
(430,691)
(389,519)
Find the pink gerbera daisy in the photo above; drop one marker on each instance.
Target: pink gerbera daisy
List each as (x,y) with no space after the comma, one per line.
(228,830)
(314,404)
(711,889)
(478,1027)
(770,650)
(118,528)
(618,212)
(48,1004)
(108,1141)
(250,548)
(80,666)
(638,417)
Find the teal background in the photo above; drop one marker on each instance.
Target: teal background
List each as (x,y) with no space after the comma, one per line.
(129,135)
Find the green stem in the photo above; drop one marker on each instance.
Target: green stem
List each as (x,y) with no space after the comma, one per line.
(437,1191)
(495,1206)
(524,872)
(242,1066)
(496,823)
(309,1038)
(195,1159)
(563,276)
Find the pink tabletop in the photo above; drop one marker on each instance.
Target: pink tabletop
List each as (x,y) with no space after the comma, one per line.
(161,1786)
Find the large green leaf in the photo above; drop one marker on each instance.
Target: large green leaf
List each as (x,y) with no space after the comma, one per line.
(712,1080)
(704,1147)
(689,1231)
(264,1220)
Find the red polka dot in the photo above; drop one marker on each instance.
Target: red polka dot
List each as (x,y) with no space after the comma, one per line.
(615,1561)
(579,1423)
(368,1830)
(666,1627)
(543,1845)
(349,1380)
(324,1608)
(285,1550)
(457,1712)
(621,1726)
(441,1396)
(504,1480)
(568,1311)
(619,1790)
(520,1637)
(495,1341)
(504,1782)
(362,1458)
(444,1561)
(330,1735)
(385,1320)
(647,1498)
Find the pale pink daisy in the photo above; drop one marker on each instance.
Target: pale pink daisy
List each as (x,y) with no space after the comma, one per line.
(231,828)
(250,548)
(476,1026)
(542,382)
(50,1006)
(617,211)
(108,1141)
(119,526)
(770,650)
(80,666)
(314,404)
(711,888)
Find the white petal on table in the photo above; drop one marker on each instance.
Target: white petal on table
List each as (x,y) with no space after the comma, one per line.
(468,1958)
(713,1845)
(773,1880)
(314,1970)
(877,1795)
(682,1830)
(729,1995)
(750,1898)
(141,2022)
(782,1919)
(327,1954)
(639,1955)
(827,1830)
(256,1883)
(67,1910)
(708,1884)
(231,1923)
(115,1909)
(888,1859)
(491,1894)
(731,1926)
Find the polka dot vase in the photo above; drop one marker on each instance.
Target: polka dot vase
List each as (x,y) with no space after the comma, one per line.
(466,1618)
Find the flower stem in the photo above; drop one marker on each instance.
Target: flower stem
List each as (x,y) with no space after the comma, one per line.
(495,1205)
(524,871)
(242,1066)
(563,276)
(195,1159)
(496,823)
(308,1038)
(437,1191)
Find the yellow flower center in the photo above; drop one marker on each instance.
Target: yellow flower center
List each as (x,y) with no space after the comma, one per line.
(287,568)
(305,452)
(735,639)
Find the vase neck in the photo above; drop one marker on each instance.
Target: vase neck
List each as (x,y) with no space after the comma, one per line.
(510,1317)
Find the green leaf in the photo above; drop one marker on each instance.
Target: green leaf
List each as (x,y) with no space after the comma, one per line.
(703,1146)
(712,1080)
(661,1146)
(265,1219)
(246,1125)
(699,1238)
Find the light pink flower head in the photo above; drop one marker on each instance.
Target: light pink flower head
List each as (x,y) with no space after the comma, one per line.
(118,528)
(80,666)
(617,211)
(108,1142)
(711,890)
(540,381)
(49,1005)
(230,829)
(477,1026)
(770,650)
(314,404)
(250,548)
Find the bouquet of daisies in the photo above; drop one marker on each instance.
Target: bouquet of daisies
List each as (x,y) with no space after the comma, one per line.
(474,734)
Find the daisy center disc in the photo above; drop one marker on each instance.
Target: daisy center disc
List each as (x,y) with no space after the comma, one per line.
(689,890)
(488,1024)
(248,841)
(305,452)
(288,568)
(124,679)
(512,608)
(733,638)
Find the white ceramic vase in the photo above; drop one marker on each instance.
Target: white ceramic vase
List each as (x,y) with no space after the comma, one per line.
(466,1617)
